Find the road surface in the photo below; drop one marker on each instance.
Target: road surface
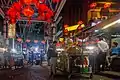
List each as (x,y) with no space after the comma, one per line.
(42,73)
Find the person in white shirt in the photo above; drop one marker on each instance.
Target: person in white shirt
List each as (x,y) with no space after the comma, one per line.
(103,48)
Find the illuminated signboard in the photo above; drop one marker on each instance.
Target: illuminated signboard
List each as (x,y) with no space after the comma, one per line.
(11,31)
(71,28)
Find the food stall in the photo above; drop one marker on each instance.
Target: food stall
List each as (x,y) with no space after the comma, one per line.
(73,59)
(109,29)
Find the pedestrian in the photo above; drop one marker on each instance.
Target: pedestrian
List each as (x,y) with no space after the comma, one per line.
(103,48)
(115,51)
(48,54)
(53,58)
(93,58)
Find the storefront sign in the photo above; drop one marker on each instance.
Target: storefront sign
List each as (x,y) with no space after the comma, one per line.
(11,31)
(71,28)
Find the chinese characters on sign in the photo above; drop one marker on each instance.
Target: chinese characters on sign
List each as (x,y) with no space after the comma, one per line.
(11,31)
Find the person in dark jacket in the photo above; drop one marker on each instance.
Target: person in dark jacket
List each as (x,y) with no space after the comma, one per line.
(53,57)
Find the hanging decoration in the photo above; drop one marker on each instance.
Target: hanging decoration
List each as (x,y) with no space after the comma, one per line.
(28,2)
(93,5)
(56,1)
(80,22)
(28,12)
(44,12)
(107,5)
(65,26)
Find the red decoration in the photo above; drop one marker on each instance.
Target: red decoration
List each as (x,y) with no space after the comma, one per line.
(28,2)
(28,12)
(35,1)
(45,13)
(42,1)
(17,6)
(79,28)
(65,31)
(80,22)
(56,1)
(12,13)
(42,8)
(93,5)
(12,21)
(65,26)
(107,5)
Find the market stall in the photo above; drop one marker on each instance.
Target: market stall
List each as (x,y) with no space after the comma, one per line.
(73,59)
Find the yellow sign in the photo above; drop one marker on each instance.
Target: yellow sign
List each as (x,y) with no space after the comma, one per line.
(11,31)
(71,28)
(61,39)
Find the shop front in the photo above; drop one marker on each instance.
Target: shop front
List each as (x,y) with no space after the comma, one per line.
(109,30)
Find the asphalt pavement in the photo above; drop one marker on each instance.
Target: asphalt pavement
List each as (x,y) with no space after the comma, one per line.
(42,73)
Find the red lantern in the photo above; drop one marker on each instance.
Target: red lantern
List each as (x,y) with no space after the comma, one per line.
(42,8)
(56,1)
(17,6)
(93,5)
(11,13)
(42,1)
(65,26)
(28,2)
(65,31)
(80,22)
(47,16)
(35,1)
(79,28)
(107,5)
(28,12)
(19,39)
(18,15)
(21,1)
(49,21)
(12,21)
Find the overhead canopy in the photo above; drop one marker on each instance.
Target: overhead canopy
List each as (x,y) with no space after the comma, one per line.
(113,21)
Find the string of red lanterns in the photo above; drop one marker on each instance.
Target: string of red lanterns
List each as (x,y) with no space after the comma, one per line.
(14,12)
(106,5)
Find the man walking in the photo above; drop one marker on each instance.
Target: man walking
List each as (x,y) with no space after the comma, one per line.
(53,57)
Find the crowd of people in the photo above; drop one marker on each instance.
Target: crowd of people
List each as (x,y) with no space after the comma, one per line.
(102,54)
(99,60)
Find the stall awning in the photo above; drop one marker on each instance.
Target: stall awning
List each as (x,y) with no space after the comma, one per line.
(106,23)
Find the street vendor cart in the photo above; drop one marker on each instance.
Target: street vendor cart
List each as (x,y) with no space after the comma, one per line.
(74,62)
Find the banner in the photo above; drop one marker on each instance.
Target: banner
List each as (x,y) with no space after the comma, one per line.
(11,31)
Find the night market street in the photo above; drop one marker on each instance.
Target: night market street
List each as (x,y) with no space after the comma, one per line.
(41,73)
